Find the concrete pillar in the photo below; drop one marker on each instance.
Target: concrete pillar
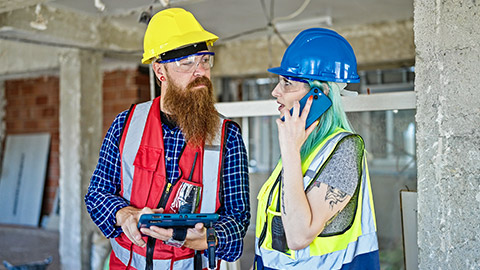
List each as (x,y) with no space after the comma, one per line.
(80,136)
(447,36)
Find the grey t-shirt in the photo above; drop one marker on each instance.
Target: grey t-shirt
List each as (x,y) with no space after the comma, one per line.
(343,172)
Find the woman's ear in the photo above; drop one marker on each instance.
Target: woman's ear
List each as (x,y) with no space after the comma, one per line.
(326,88)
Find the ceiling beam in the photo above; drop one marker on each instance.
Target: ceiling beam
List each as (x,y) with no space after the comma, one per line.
(62,28)
(10,5)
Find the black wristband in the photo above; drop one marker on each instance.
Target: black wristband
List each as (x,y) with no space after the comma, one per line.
(179,234)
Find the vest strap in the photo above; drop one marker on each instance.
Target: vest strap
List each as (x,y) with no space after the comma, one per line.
(132,140)
(211,165)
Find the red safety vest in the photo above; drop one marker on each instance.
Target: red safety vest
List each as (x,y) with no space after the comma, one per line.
(144,181)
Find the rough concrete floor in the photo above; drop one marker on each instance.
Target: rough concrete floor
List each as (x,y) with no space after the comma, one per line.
(20,245)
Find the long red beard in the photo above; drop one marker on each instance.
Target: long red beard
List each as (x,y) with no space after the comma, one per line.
(193,110)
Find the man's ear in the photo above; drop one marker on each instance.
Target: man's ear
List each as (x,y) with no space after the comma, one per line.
(158,69)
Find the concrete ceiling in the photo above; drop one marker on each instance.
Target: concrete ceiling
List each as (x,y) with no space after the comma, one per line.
(231,19)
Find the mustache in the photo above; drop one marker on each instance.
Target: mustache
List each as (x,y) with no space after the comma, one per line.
(200,81)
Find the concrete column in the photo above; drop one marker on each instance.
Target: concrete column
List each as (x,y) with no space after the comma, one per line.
(447,35)
(80,138)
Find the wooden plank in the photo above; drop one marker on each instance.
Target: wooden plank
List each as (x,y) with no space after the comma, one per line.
(408,207)
(23,178)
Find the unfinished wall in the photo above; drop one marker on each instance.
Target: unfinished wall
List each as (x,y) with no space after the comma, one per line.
(122,88)
(2,116)
(383,45)
(32,107)
(447,35)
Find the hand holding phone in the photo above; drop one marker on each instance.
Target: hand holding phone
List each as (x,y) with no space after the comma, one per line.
(320,105)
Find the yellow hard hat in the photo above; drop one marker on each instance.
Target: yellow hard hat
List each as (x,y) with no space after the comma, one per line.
(170,29)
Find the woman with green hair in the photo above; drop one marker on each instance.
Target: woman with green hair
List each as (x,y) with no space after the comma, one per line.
(316,211)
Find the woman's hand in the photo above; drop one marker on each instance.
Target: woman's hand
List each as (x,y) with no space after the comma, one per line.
(291,132)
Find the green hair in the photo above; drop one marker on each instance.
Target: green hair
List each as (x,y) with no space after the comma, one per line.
(332,119)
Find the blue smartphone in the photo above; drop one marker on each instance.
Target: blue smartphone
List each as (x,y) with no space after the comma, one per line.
(320,105)
(175,220)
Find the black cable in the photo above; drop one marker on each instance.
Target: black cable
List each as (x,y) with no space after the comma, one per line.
(280,36)
(244,33)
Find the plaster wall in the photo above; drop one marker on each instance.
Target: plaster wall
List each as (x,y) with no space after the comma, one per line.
(448,152)
(22,58)
(376,45)
(64,28)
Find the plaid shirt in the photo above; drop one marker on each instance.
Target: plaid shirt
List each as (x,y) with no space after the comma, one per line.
(103,199)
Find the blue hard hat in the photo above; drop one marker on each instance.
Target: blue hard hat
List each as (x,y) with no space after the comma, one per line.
(319,54)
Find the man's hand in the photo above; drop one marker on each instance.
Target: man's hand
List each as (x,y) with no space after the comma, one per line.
(128,217)
(197,237)
(158,233)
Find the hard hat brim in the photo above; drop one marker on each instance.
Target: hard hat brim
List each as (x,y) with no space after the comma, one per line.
(282,72)
(192,37)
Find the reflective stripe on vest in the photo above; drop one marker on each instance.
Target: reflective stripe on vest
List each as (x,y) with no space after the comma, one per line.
(325,252)
(211,163)
(133,139)
(139,261)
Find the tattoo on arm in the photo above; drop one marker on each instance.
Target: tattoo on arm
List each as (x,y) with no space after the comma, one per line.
(334,196)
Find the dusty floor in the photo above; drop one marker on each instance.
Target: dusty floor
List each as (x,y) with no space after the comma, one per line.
(20,245)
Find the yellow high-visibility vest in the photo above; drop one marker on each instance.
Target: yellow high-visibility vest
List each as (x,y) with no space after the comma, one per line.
(354,248)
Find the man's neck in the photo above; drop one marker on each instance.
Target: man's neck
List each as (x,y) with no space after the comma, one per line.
(167,120)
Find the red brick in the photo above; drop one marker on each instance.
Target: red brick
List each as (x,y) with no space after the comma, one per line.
(41,100)
(109,95)
(49,111)
(30,125)
(27,91)
(29,101)
(13,126)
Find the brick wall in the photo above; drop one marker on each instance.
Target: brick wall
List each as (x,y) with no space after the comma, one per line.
(121,89)
(33,106)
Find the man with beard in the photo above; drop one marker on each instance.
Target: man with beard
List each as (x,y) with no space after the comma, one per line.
(174,154)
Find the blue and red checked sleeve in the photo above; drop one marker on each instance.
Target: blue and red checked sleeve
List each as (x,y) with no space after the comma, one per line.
(102,198)
(235,210)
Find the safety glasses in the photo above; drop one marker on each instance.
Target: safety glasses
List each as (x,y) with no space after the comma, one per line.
(290,84)
(191,62)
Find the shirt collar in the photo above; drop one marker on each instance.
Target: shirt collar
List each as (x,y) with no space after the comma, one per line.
(167,120)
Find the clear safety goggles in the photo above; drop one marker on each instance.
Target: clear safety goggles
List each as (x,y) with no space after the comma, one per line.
(191,62)
(290,84)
